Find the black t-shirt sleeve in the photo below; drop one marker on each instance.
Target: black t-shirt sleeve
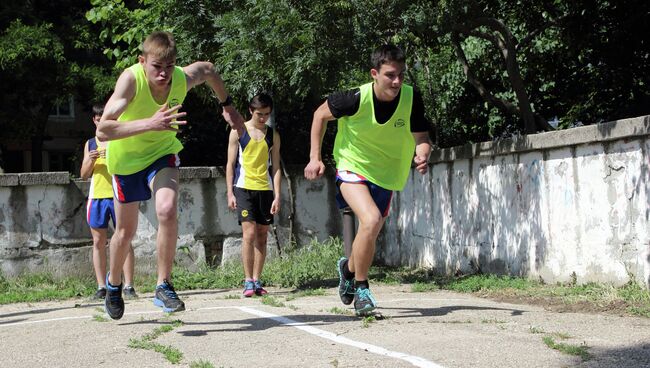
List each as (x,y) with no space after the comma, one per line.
(419,122)
(344,103)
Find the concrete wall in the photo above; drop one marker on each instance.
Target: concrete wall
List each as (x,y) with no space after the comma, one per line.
(556,206)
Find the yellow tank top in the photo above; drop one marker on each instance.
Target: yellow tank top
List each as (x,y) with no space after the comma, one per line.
(101,185)
(132,154)
(253,162)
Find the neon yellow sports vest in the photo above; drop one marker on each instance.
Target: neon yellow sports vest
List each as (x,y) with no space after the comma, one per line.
(132,154)
(382,153)
(101,184)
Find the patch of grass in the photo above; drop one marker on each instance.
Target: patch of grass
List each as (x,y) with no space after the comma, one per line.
(535,330)
(201,364)
(273,302)
(232,296)
(367,320)
(172,354)
(561,335)
(488,282)
(577,350)
(99,318)
(420,287)
(341,311)
(44,286)
(313,265)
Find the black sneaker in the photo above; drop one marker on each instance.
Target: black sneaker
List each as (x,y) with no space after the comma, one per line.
(113,303)
(129,292)
(364,302)
(346,286)
(167,298)
(100,293)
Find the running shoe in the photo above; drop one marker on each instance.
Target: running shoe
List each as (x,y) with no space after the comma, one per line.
(129,292)
(249,288)
(167,299)
(346,286)
(364,302)
(259,290)
(113,302)
(100,293)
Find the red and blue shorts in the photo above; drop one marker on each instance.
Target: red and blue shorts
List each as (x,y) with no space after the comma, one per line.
(135,187)
(99,211)
(380,195)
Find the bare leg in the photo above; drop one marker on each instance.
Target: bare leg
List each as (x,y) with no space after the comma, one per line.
(99,254)
(129,265)
(247,255)
(165,188)
(126,215)
(370,223)
(261,234)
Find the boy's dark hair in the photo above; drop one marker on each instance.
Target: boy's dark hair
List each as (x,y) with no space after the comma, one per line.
(98,109)
(260,101)
(386,54)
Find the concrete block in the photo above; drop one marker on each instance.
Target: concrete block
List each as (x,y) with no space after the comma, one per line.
(203,172)
(44,178)
(9,180)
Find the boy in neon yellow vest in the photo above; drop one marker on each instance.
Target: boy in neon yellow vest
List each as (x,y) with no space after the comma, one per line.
(140,122)
(254,180)
(100,209)
(380,126)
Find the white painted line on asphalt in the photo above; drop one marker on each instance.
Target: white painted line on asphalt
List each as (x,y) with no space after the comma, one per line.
(415,360)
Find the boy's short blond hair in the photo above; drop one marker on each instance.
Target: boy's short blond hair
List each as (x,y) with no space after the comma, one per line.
(160,45)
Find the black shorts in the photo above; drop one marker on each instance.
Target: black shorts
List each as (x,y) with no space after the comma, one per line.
(254,205)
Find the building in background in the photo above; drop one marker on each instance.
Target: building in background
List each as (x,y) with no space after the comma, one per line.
(68,127)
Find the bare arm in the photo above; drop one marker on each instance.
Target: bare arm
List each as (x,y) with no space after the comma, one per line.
(233,148)
(88,163)
(110,129)
(275,173)
(203,71)
(422,151)
(322,115)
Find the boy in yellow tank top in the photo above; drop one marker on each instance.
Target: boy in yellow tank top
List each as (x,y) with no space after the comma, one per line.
(254,180)
(140,122)
(380,126)
(100,208)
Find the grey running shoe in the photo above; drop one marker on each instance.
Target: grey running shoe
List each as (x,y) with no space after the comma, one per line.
(346,286)
(167,298)
(364,302)
(129,292)
(100,293)
(113,303)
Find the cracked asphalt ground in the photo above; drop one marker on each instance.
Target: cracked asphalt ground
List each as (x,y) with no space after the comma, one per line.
(221,329)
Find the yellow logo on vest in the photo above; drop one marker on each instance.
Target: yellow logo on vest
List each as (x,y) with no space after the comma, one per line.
(244,213)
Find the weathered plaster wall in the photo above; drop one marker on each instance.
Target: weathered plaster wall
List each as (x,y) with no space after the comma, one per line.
(555,205)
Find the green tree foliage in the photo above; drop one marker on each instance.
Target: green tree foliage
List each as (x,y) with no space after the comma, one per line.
(47,53)
(487,69)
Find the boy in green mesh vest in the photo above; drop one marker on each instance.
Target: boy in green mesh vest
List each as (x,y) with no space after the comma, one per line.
(380,126)
(140,123)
